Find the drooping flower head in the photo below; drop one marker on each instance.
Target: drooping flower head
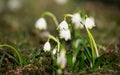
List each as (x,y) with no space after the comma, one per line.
(54,51)
(76,19)
(89,22)
(64,31)
(65,34)
(63,25)
(41,24)
(47,46)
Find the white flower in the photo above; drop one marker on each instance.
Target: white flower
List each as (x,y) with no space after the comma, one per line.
(54,51)
(63,25)
(89,22)
(47,47)
(14,4)
(65,34)
(61,59)
(41,24)
(61,2)
(76,19)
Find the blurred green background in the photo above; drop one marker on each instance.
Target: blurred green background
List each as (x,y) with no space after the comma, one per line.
(17,20)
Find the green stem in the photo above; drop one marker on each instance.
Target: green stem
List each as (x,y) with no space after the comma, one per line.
(52,16)
(56,40)
(67,15)
(16,51)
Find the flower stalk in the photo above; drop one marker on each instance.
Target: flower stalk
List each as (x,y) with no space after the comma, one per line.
(52,16)
(56,40)
(67,15)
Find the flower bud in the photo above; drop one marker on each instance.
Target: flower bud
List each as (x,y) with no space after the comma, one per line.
(47,47)
(54,51)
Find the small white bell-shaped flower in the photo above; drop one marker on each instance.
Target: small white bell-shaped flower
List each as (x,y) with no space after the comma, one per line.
(61,59)
(47,46)
(54,51)
(41,24)
(63,25)
(76,19)
(65,34)
(89,22)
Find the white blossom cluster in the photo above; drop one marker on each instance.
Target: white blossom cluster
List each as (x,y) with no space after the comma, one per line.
(79,22)
(64,31)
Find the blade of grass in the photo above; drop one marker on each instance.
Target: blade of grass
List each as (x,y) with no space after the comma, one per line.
(88,56)
(93,42)
(10,56)
(1,59)
(93,45)
(76,53)
(16,51)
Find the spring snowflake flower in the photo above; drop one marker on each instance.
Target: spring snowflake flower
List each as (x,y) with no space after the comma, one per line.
(64,31)
(14,4)
(65,34)
(76,19)
(89,22)
(41,24)
(63,25)
(54,51)
(61,59)
(47,47)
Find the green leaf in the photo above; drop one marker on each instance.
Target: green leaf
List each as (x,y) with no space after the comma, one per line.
(1,59)
(75,54)
(93,46)
(69,60)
